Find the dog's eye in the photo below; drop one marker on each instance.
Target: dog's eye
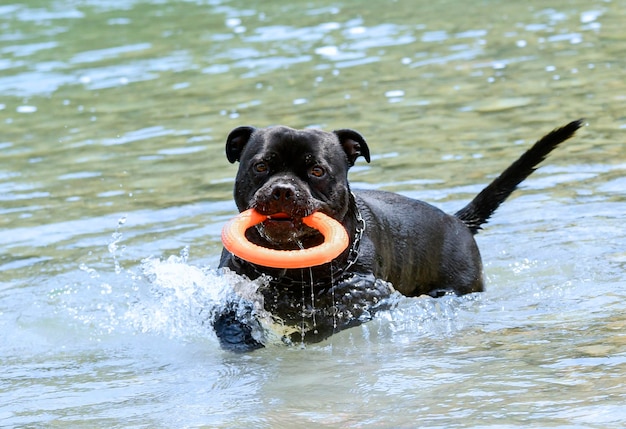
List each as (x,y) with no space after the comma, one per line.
(260,167)
(317,171)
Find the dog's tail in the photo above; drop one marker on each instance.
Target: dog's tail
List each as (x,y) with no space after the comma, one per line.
(480,209)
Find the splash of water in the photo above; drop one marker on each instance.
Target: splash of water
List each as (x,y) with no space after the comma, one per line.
(183,300)
(113,245)
(173,298)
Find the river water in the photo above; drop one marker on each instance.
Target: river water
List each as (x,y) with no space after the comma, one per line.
(114,188)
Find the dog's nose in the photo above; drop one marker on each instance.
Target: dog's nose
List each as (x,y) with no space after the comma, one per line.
(284,193)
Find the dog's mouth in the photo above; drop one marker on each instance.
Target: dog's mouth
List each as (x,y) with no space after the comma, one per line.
(285,231)
(282,225)
(279,217)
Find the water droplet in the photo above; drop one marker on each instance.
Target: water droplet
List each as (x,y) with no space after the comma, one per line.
(394,93)
(92,272)
(233,22)
(184,254)
(327,51)
(589,16)
(26,109)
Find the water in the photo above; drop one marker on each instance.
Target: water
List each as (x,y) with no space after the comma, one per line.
(114,187)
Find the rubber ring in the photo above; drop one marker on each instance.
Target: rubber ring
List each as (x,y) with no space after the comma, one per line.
(235,241)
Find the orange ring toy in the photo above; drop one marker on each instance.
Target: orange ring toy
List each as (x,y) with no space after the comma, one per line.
(235,241)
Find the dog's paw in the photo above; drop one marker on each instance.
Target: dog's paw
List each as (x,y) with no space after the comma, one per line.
(234,334)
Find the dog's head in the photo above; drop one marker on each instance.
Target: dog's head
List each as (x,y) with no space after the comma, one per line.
(287,174)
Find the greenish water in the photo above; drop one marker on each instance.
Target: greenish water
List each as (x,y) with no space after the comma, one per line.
(114,188)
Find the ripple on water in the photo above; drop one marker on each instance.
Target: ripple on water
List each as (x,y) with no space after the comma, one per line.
(103,54)
(28,84)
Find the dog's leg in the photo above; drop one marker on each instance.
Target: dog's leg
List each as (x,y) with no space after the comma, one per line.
(233,332)
(480,209)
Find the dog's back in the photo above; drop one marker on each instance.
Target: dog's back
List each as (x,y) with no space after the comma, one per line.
(417,247)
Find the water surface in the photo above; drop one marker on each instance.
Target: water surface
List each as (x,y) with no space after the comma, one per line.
(114,188)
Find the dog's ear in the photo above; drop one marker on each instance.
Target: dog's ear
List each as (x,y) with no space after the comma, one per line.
(353,144)
(235,142)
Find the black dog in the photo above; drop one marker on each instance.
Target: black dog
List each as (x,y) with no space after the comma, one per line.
(397,243)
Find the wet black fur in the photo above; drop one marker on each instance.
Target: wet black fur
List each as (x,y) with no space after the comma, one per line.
(406,243)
